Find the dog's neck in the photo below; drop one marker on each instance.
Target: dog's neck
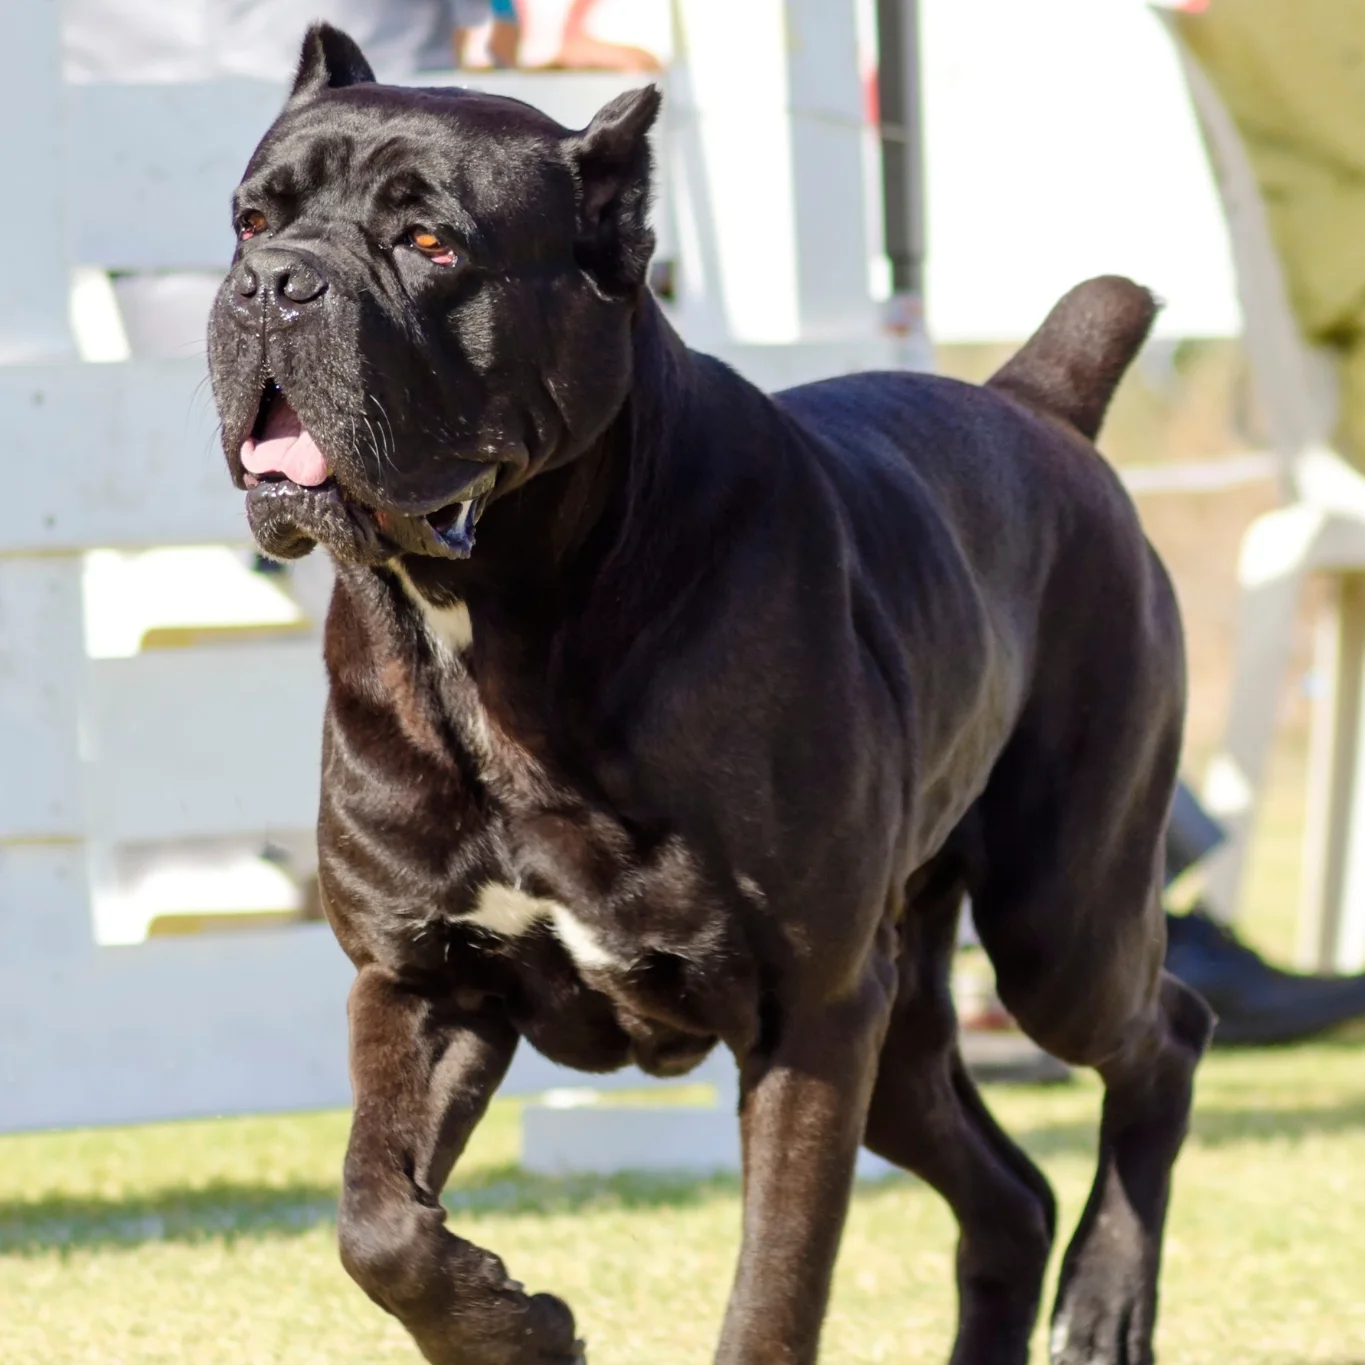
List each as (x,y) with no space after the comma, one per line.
(578,575)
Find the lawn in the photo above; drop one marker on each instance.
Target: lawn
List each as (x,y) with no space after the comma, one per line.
(212,1242)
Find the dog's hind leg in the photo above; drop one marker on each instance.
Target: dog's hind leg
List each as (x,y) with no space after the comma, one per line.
(927,1117)
(423,1071)
(1107,1294)
(1090,989)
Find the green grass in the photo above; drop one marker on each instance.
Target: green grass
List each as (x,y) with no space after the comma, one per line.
(212,1242)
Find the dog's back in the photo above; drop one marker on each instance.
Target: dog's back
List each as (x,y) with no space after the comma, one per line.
(1065,374)
(997,488)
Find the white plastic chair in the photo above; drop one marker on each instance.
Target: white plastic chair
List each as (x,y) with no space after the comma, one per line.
(1319,529)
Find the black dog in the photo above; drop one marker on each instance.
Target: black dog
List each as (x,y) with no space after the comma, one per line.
(732,701)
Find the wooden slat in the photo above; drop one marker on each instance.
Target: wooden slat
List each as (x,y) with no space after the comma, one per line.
(150,169)
(114,455)
(42,661)
(198,743)
(241,1023)
(127,455)
(173,1028)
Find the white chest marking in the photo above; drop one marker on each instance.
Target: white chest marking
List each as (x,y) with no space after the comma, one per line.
(449,626)
(582,944)
(502,909)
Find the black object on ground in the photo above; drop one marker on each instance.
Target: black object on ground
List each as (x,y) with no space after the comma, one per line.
(1256,1004)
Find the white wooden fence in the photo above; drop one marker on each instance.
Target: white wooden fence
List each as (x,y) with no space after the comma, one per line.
(102,754)
(768,209)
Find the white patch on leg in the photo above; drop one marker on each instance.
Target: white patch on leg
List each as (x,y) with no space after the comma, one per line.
(582,944)
(449,626)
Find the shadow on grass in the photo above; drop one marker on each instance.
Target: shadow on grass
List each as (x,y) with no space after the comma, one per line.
(1213,1127)
(227,1210)
(224,1210)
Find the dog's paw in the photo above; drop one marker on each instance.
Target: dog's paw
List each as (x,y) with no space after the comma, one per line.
(552,1339)
(513,1329)
(1100,1329)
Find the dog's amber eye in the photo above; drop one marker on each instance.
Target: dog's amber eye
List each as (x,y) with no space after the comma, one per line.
(431,246)
(250,223)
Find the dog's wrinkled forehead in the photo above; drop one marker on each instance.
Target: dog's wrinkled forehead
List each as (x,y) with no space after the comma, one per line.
(488,166)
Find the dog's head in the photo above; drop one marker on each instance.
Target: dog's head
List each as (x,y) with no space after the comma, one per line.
(431,301)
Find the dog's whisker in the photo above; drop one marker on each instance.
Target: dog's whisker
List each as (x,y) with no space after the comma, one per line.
(389,445)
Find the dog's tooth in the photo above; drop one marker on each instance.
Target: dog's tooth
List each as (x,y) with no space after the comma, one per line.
(464,521)
(459,535)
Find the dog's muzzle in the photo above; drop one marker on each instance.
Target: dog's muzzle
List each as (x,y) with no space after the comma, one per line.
(293,500)
(448,532)
(287,519)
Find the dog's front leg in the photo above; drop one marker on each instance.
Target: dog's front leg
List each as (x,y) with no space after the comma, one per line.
(802,1112)
(423,1071)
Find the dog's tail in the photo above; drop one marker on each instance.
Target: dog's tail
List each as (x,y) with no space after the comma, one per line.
(1072,364)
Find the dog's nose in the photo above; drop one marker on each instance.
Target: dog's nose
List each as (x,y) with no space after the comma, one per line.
(271,283)
(245,281)
(299,281)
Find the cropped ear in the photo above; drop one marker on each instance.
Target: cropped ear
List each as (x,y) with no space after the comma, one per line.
(612,162)
(329,60)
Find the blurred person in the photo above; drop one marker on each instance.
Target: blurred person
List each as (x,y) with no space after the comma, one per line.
(150,40)
(1293,80)
(1256,1003)
(580,50)
(504,35)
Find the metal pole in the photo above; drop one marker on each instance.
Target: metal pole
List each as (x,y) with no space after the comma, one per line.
(898,101)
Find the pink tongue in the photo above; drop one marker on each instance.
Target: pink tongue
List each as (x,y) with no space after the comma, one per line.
(285,448)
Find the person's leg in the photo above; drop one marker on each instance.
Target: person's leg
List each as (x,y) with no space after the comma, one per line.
(1255,1002)
(579,50)
(466,17)
(504,38)
(1191,834)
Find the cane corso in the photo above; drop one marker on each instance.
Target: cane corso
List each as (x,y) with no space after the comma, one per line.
(664,713)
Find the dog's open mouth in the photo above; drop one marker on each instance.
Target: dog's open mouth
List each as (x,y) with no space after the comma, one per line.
(280,445)
(286,472)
